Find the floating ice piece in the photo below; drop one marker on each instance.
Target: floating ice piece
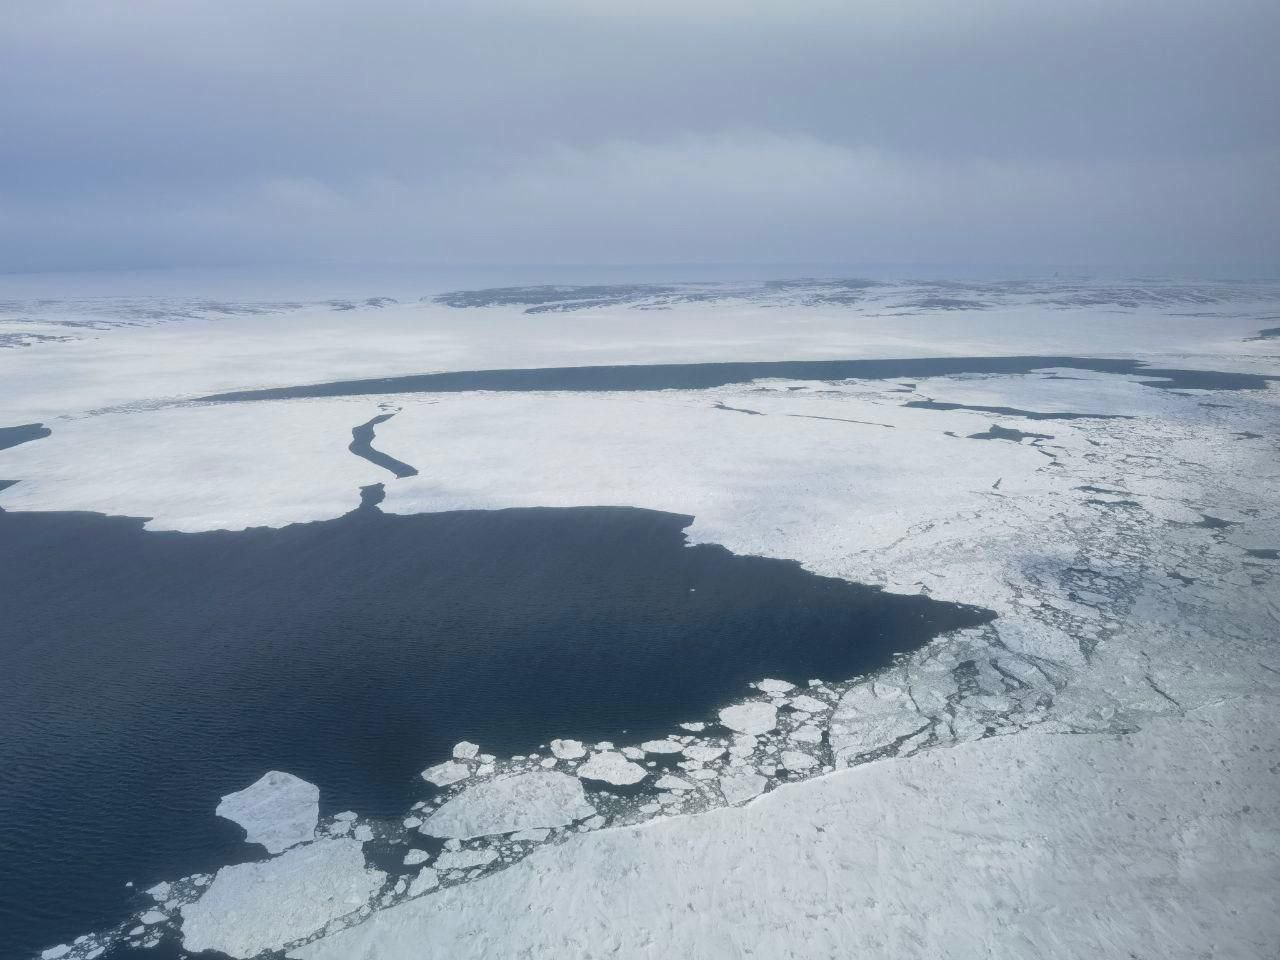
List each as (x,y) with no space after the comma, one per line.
(346,815)
(465,859)
(416,856)
(53,953)
(531,836)
(703,774)
(755,717)
(160,892)
(694,727)
(521,802)
(427,879)
(660,746)
(872,716)
(278,811)
(546,763)
(797,762)
(362,833)
(611,768)
(152,917)
(775,688)
(465,750)
(740,787)
(807,734)
(704,752)
(252,907)
(443,774)
(807,704)
(411,823)
(633,753)
(568,749)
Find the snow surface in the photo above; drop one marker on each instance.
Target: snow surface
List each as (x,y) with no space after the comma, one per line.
(999,848)
(278,811)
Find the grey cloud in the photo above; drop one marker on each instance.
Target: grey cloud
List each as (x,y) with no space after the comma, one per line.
(520,131)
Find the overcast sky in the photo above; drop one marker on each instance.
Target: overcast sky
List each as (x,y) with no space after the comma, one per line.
(138,133)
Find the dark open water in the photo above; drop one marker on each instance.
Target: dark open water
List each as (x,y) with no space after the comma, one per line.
(143,675)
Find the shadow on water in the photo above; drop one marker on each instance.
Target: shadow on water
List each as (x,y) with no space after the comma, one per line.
(705,376)
(144,674)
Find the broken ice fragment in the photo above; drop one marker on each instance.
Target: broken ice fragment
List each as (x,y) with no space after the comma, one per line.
(611,768)
(522,802)
(568,749)
(754,717)
(443,774)
(465,750)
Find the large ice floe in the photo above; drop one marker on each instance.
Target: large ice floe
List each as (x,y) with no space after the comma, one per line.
(1095,773)
(278,811)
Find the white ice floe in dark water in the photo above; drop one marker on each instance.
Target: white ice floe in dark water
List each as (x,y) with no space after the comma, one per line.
(524,801)
(612,768)
(465,750)
(278,811)
(774,688)
(704,752)
(568,749)
(444,774)
(426,879)
(755,717)
(252,907)
(807,704)
(661,746)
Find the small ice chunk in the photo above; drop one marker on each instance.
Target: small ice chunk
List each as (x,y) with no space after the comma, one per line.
(548,763)
(704,752)
(660,746)
(346,815)
(443,774)
(160,892)
(775,688)
(568,749)
(531,836)
(740,787)
(604,745)
(611,768)
(427,879)
(152,917)
(633,753)
(524,801)
(411,823)
(595,823)
(465,750)
(797,762)
(253,907)
(465,859)
(340,828)
(703,774)
(807,704)
(53,953)
(278,811)
(754,717)
(416,856)
(694,727)
(363,833)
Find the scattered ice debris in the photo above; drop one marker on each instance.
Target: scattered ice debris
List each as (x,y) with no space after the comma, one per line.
(741,787)
(522,802)
(416,856)
(443,774)
(612,768)
(775,688)
(465,859)
(278,811)
(252,907)
(568,749)
(704,753)
(668,782)
(465,750)
(427,879)
(754,717)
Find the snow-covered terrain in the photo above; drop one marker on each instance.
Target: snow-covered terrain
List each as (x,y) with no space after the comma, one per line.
(1095,773)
